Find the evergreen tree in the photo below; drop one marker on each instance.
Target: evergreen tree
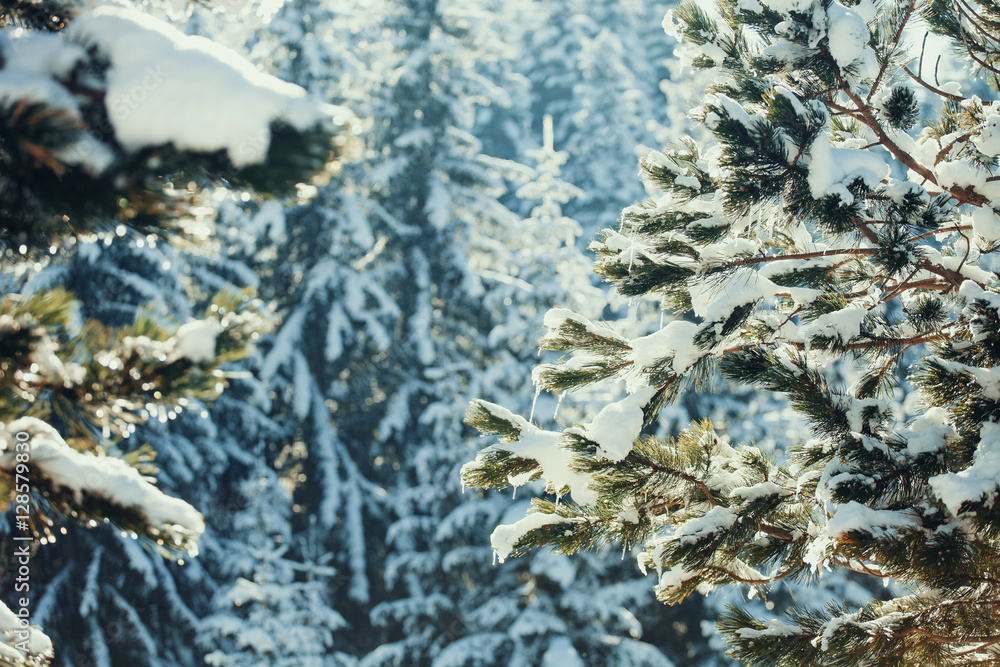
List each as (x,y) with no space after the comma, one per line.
(548,611)
(97,127)
(280,616)
(357,274)
(601,93)
(823,220)
(322,266)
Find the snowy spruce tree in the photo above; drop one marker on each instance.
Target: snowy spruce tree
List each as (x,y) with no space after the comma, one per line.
(275,612)
(824,221)
(573,63)
(108,140)
(545,609)
(322,267)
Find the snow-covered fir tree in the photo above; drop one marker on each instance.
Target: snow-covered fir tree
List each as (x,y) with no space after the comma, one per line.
(463,610)
(445,612)
(275,612)
(823,220)
(337,321)
(602,94)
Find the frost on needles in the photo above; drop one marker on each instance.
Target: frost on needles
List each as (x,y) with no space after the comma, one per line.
(817,218)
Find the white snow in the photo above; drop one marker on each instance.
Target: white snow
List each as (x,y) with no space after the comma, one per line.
(102,476)
(773,628)
(734,110)
(723,251)
(41,53)
(844,324)
(629,514)
(980,481)
(675,577)
(716,302)
(21,79)
(785,6)
(713,51)
(781,266)
(956,263)
(986,223)
(929,432)
(898,190)
(195,340)
(970,290)
(44,357)
(616,427)
(561,653)
(505,538)
(832,169)
(558,568)
(37,642)
(545,449)
(688,182)
(759,490)
(675,340)
(716,519)
(988,139)
(848,35)
(855,409)
(855,516)
(962,174)
(166,87)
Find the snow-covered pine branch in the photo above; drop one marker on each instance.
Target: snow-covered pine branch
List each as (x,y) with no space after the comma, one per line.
(115,127)
(119,101)
(99,380)
(99,488)
(22,647)
(823,221)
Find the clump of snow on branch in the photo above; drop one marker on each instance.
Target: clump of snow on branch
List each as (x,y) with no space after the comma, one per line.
(168,87)
(37,643)
(505,537)
(86,475)
(545,449)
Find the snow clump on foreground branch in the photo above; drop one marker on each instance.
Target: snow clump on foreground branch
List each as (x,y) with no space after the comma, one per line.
(157,87)
(168,87)
(54,466)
